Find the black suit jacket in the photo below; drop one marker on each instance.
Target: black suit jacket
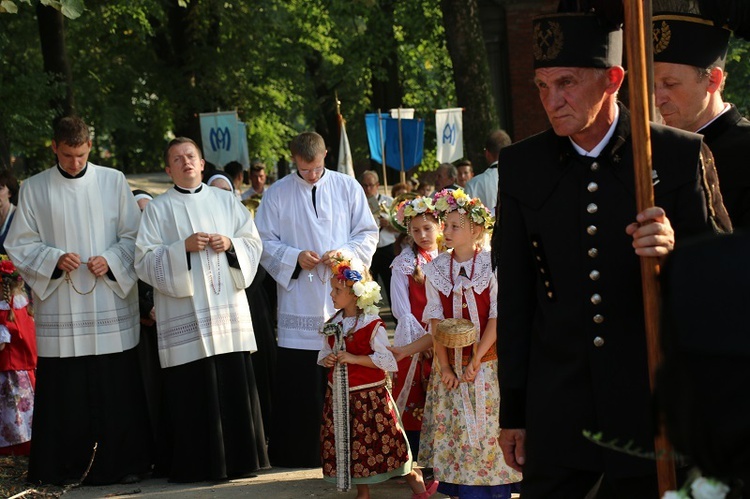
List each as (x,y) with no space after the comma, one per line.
(571,339)
(728,137)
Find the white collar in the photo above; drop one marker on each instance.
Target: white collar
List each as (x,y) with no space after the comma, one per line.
(596,151)
(727,107)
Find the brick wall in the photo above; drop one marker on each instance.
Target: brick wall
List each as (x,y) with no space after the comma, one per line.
(528,114)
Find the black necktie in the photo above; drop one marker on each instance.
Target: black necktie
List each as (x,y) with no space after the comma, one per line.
(313,199)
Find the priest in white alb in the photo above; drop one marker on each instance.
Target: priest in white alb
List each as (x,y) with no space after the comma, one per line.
(72,240)
(303,219)
(199,249)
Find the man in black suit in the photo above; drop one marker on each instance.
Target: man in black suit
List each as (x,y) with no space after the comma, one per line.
(689,57)
(571,339)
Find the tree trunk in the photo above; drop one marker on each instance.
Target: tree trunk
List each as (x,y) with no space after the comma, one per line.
(52,36)
(463,33)
(386,92)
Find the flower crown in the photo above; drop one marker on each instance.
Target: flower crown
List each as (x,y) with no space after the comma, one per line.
(8,271)
(449,200)
(351,271)
(410,208)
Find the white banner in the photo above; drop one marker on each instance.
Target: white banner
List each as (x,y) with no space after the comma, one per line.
(450,134)
(220,133)
(243,155)
(405,113)
(345,164)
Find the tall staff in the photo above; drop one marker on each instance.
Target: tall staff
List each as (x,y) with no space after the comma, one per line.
(640,101)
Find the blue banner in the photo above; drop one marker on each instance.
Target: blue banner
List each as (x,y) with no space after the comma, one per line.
(412,137)
(375,130)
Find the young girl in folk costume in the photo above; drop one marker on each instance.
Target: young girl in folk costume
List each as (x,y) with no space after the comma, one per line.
(460,438)
(17,363)
(363,441)
(411,344)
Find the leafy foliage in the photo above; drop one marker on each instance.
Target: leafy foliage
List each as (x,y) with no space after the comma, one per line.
(738,76)
(144,69)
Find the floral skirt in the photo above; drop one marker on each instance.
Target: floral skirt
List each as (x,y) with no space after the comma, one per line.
(16,407)
(379,448)
(444,443)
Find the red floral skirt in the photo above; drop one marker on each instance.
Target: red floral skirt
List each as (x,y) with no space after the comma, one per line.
(378,443)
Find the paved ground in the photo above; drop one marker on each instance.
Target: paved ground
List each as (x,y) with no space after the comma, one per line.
(278,483)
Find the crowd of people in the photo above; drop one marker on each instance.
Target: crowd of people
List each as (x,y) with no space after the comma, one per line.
(187,336)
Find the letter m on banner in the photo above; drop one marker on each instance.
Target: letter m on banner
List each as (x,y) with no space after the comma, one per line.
(450,134)
(220,133)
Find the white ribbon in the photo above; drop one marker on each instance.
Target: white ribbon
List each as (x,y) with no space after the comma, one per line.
(476,420)
(340,392)
(403,395)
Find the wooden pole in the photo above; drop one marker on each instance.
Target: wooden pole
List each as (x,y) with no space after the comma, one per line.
(382,151)
(402,178)
(640,106)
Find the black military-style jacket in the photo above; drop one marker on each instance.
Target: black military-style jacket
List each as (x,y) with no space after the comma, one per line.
(728,137)
(571,338)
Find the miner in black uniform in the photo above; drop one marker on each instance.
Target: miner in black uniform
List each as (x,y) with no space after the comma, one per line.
(571,335)
(689,57)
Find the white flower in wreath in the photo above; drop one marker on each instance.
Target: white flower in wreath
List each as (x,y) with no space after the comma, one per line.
(707,488)
(420,205)
(674,494)
(358,288)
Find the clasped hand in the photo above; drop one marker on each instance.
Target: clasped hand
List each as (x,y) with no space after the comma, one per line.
(342,357)
(200,240)
(97,265)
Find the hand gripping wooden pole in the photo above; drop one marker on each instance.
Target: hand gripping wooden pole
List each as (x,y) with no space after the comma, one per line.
(635,41)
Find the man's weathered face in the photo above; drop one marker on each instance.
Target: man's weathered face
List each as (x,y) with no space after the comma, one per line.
(442,180)
(370,185)
(185,165)
(465,173)
(681,95)
(257,179)
(572,98)
(72,159)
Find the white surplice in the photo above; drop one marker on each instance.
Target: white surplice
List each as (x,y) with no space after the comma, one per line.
(484,187)
(289,224)
(93,215)
(201,309)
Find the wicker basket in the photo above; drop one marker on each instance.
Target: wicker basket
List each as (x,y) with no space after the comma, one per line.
(455,333)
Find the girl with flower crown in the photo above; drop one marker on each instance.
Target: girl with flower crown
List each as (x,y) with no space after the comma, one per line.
(412,346)
(362,439)
(461,423)
(17,363)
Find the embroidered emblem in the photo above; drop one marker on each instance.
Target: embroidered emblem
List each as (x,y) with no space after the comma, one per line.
(662,36)
(547,42)
(654,177)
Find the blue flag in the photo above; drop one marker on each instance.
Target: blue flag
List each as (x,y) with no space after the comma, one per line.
(375,130)
(412,136)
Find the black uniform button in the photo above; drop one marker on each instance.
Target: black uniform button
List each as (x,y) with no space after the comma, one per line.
(593,252)
(591,230)
(592,208)
(594,166)
(535,244)
(596,298)
(598,341)
(594,275)
(598,318)
(550,294)
(592,187)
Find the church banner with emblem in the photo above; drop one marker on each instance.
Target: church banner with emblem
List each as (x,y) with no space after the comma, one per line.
(220,133)
(450,134)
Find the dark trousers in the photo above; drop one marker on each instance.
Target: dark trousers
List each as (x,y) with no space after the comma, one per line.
(381,267)
(565,483)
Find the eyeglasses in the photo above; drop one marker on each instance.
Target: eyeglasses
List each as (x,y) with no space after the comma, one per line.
(311,170)
(369,185)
